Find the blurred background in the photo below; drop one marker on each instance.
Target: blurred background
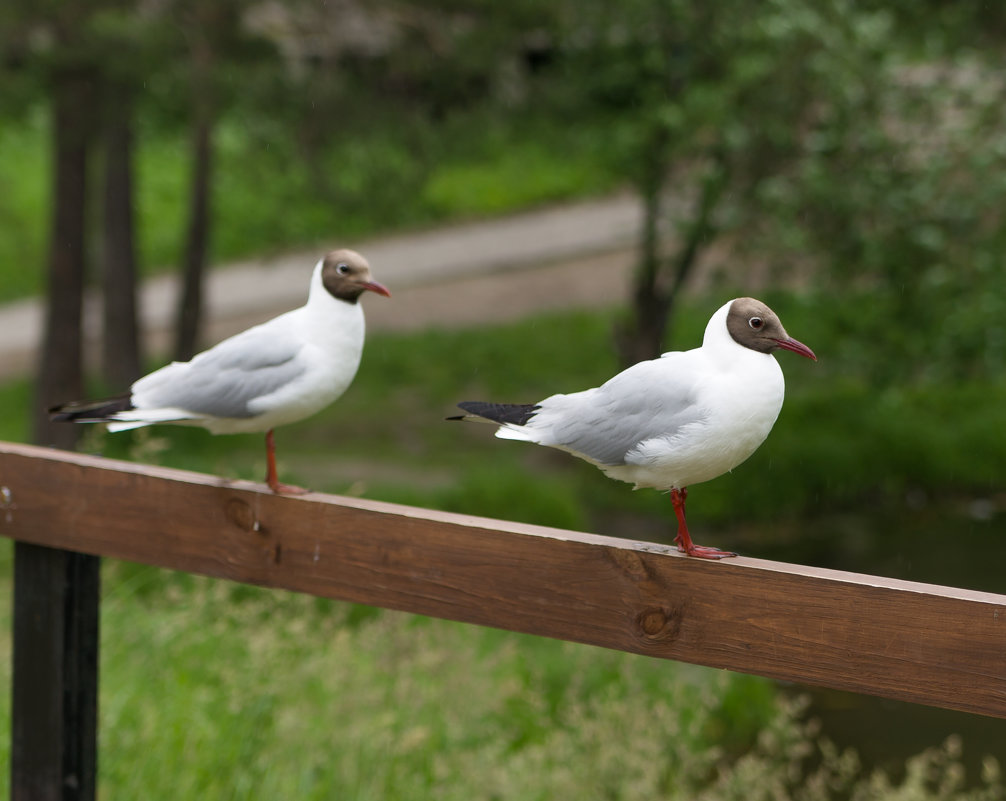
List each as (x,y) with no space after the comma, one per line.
(552,190)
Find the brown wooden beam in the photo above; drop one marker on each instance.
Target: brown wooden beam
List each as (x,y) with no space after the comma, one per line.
(897,639)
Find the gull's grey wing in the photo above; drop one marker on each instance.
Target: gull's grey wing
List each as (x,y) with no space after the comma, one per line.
(224,380)
(605,423)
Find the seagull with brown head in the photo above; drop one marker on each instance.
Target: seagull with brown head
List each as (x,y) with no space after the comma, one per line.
(684,418)
(276,373)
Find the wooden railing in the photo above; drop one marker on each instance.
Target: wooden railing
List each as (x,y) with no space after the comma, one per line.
(897,639)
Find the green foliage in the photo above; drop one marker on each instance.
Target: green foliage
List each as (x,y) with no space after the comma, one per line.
(358,186)
(915,234)
(15,399)
(517,496)
(24,180)
(548,171)
(836,138)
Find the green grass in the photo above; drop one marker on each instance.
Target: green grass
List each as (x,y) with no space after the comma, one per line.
(15,400)
(24,178)
(487,187)
(392,706)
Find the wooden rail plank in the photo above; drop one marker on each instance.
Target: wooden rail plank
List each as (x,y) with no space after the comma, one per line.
(916,642)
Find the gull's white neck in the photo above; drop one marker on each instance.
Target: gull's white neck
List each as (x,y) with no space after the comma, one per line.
(723,348)
(330,317)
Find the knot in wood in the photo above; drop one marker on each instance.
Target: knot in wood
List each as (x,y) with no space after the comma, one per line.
(242,515)
(630,562)
(656,623)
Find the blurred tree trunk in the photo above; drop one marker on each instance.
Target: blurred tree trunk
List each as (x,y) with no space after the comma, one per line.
(60,374)
(121,358)
(659,278)
(637,337)
(197,238)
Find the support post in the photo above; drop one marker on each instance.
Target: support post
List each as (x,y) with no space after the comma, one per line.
(55,681)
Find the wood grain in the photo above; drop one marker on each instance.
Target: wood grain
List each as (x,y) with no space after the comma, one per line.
(916,642)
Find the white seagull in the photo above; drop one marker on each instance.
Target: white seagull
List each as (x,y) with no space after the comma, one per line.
(272,374)
(686,417)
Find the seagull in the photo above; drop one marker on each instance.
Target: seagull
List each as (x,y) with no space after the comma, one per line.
(275,373)
(685,417)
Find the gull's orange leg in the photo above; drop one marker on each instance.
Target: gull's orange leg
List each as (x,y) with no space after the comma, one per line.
(684,539)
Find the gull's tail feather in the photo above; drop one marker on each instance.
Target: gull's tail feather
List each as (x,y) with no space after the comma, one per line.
(510,417)
(97,411)
(119,413)
(508,414)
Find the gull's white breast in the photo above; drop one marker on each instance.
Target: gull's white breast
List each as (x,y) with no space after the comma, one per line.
(738,400)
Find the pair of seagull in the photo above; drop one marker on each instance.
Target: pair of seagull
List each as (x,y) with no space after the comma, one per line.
(666,423)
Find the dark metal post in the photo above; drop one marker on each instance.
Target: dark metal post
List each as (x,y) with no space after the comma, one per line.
(55,683)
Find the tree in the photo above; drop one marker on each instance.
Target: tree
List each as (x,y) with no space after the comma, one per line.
(56,619)
(212,36)
(83,58)
(134,51)
(709,102)
(121,360)
(197,233)
(72,88)
(899,198)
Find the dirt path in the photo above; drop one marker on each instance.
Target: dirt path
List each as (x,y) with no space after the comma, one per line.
(576,254)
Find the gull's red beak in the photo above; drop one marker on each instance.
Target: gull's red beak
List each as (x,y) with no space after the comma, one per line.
(797,347)
(373,286)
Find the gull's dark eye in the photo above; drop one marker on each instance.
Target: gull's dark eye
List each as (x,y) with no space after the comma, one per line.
(756,323)
(342,268)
